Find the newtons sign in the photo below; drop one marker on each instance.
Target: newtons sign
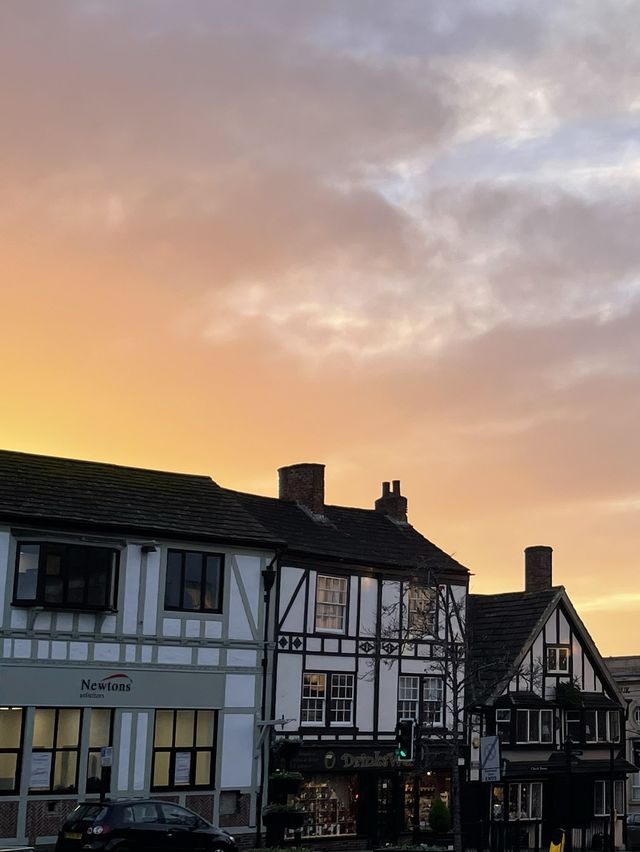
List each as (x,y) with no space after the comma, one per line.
(75,686)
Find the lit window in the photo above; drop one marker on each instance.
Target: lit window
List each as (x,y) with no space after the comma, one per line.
(183,749)
(54,757)
(558,660)
(100,735)
(331,603)
(10,740)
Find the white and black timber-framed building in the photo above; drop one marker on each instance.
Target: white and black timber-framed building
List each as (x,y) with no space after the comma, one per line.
(543,688)
(343,670)
(132,616)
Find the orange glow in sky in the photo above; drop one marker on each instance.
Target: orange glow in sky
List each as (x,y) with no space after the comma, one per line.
(399,239)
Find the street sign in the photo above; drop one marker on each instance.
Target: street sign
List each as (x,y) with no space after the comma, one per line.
(489,759)
(106,756)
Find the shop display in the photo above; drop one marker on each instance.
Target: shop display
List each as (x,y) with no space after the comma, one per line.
(329,808)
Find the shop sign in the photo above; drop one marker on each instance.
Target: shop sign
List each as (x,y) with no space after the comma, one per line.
(312,760)
(92,688)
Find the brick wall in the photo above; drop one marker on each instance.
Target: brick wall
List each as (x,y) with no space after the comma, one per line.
(45,817)
(201,805)
(234,809)
(8,819)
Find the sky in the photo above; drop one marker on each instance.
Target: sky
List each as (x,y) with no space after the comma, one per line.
(399,239)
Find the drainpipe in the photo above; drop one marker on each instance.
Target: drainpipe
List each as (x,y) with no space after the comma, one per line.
(268,580)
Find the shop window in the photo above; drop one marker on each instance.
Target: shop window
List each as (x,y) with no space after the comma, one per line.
(602,797)
(408,696)
(602,726)
(331,603)
(10,748)
(194,581)
(558,659)
(534,726)
(183,749)
(100,734)
(341,708)
(65,576)
(503,725)
(56,744)
(525,800)
(420,610)
(431,786)
(497,802)
(329,802)
(433,702)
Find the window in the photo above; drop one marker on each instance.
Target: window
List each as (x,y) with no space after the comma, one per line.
(56,743)
(558,660)
(331,603)
(10,744)
(341,699)
(572,726)
(71,576)
(433,701)
(534,726)
(602,797)
(525,800)
(602,726)
(635,778)
(314,693)
(636,715)
(314,698)
(100,729)
(408,696)
(194,581)
(183,747)
(503,725)
(420,610)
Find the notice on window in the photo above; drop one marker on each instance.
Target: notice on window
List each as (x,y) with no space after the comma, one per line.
(183,767)
(40,770)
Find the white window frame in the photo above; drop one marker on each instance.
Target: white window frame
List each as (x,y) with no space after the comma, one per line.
(433,707)
(529,798)
(539,713)
(420,610)
(315,701)
(558,658)
(341,695)
(408,697)
(332,594)
(606,716)
(601,797)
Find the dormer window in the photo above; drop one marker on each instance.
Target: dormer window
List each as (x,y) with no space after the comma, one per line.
(558,659)
(65,576)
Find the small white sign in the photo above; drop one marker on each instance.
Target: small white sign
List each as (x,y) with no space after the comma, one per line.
(489,759)
(183,767)
(40,770)
(106,756)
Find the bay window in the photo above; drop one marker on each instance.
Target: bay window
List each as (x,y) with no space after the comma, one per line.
(534,726)
(602,726)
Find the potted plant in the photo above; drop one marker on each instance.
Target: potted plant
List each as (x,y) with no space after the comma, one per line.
(278,818)
(283,783)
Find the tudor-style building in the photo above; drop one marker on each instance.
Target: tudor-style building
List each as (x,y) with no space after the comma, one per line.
(541,686)
(363,610)
(626,672)
(131,617)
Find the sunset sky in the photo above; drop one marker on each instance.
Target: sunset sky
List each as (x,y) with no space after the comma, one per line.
(399,238)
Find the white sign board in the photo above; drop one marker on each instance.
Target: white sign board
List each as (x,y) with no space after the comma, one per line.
(40,777)
(489,759)
(183,768)
(106,756)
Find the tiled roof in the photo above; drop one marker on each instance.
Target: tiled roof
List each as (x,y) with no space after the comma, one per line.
(38,489)
(356,536)
(499,628)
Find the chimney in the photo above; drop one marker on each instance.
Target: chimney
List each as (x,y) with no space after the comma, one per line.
(537,568)
(392,503)
(303,483)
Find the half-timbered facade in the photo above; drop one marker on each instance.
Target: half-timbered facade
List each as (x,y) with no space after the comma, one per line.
(363,611)
(542,688)
(132,619)
(626,673)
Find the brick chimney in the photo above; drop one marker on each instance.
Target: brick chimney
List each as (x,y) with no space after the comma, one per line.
(392,503)
(537,568)
(303,483)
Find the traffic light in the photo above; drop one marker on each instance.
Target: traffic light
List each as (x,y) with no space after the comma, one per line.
(405,739)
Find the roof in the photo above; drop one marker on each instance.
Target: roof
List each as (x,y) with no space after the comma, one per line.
(46,490)
(500,627)
(356,536)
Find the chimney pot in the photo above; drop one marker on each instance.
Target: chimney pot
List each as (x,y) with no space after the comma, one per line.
(537,568)
(392,503)
(303,483)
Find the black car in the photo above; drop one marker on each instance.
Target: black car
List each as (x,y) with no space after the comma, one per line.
(137,825)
